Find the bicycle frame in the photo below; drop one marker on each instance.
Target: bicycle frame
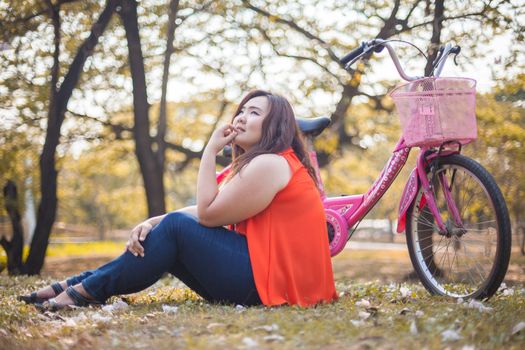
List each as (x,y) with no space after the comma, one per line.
(345,212)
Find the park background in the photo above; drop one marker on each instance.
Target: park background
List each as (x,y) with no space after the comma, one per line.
(105,107)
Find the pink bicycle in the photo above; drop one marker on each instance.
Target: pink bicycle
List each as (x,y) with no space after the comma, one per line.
(454,215)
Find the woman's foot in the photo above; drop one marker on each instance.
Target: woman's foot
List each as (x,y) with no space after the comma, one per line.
(72,296)
(44,294)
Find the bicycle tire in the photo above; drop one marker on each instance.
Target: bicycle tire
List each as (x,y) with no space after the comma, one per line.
(486,216)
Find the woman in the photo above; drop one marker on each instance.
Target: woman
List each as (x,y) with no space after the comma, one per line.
(275,249)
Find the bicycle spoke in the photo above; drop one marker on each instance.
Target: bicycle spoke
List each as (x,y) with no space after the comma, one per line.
(476,265)
(432,246)
(454,259)
(428,230)
(469,269)
(475,231)
(442,259)
(470,241)
(485,222)
(424,221)
(424,238)
(460,262)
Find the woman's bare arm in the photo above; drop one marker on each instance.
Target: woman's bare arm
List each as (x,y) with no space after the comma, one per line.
(192,209)
(246,194)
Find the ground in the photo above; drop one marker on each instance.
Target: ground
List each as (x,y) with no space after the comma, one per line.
(378,308)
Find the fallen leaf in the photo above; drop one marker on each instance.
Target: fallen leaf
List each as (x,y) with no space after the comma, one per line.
(518,328)
(405,311)
(413,328)
(214,325)
(97,317)
(468,347)
(273,337)
(372,310)
(169,309)
(268,328)
(476,304)
(68,342)
(249,342)
(80,317)
(363,302)
(357,323)
(117,305)
(70,323)
(450,335)
(364,315)
(405,292)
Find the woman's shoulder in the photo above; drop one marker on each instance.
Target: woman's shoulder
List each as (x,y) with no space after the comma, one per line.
(270,163)
(269,160)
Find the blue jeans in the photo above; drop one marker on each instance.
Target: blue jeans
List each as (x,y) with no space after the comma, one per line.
(214,262)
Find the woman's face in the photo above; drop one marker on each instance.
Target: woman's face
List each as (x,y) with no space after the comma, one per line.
(249,122)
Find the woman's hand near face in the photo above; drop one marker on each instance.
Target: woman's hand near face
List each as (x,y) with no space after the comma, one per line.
(221,137)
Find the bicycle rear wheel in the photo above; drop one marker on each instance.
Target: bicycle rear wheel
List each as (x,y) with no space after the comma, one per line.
(471,260)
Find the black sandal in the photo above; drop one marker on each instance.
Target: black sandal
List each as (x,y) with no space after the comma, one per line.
(78,300)
(34,299)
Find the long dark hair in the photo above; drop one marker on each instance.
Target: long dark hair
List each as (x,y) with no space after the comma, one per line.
(279,132)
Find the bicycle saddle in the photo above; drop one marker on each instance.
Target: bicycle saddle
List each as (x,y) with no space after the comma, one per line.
(313,126)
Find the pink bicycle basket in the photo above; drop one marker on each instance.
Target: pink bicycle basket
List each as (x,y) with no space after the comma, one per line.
(436,110)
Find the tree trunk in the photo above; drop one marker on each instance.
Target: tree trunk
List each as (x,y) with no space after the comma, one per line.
(435,40)
(162,123)
(152,174)
(14,247)
(351,89)
(57,109)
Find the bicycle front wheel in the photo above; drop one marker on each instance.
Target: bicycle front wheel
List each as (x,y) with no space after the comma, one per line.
(471,259)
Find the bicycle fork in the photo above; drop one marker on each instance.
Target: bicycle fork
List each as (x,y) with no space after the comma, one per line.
(418,179)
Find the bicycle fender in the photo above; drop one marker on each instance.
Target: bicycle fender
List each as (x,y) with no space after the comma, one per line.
(409,193)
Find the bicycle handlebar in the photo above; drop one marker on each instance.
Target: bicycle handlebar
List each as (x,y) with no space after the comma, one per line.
(353,54)
(377,45)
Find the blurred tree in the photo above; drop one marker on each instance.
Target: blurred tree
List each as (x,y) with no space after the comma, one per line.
(501,143)
(102,188)
(58,100)
(13,246)
(319,41)
(151,170)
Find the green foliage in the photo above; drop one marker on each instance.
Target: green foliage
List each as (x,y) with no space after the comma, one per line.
(102,187)
(500,146)
(18,162)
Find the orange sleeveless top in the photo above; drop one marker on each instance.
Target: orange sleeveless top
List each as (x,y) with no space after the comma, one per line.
(288,244)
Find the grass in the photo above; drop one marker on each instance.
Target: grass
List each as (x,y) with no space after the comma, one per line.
(383,314)
(398,316)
